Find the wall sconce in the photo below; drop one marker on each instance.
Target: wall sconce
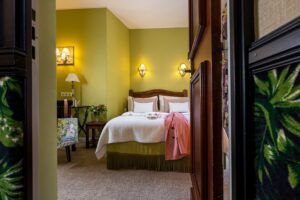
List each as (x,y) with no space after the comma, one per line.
(65,56)
(182,69)
(142,70)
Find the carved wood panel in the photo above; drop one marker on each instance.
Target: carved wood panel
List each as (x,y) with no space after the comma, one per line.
(199,132)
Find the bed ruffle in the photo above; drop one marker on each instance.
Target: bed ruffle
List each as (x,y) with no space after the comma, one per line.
(148,162)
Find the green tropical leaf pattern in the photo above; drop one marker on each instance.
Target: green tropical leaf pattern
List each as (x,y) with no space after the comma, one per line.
(276,112)
(11,139)
(11,181)
(11,130)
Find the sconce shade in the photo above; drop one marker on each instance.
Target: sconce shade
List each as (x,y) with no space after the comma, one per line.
(182,69)
(142,70)
(72,77)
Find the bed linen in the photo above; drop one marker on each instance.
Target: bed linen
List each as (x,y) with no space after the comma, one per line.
(132,127)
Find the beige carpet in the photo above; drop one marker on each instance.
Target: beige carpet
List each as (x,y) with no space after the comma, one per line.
(85,178)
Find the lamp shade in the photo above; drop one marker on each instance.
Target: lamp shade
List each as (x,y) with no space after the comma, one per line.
(72,77)
(182,69)
(142,70)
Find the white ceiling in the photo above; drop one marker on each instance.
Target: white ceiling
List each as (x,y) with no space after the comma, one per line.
(138,14)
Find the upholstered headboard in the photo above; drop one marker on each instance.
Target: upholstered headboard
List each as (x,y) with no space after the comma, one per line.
(157,92)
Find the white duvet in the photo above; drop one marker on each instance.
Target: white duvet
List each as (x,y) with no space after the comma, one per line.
(132,127)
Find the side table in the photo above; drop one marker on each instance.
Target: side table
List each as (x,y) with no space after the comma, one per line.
(94,126)
(81,123)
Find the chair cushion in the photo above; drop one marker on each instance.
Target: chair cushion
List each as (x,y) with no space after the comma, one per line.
(67,132)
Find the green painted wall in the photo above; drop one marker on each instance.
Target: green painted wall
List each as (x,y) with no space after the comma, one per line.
(101,44)
(118,65)
(47,98)
(85,29)
(108,54)
(162,51)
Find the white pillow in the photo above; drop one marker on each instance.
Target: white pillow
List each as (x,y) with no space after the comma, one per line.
(162,101)
(142,107)
(167,101)
(179,107)
(131,100)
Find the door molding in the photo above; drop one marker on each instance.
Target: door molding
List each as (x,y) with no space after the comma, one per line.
(197,23)
(199,109)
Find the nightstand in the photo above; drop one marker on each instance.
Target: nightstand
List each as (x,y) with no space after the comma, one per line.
(95,127)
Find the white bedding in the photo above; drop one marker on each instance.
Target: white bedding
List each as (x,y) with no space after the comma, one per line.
(132,127)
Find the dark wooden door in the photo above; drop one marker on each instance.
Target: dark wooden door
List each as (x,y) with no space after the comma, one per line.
(206,106)
(15,101)
(266,120)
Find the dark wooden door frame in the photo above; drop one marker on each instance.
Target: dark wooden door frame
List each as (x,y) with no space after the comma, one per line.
(28,138)
(241,35)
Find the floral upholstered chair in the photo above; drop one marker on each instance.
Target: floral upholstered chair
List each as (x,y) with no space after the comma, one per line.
(67,134)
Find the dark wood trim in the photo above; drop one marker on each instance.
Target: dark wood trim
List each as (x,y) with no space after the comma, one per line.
(157,92)
(278,42)
(286,28)
(199,133)
(28,138)
(13,58)
(215,125)
(242,35)
(196,39)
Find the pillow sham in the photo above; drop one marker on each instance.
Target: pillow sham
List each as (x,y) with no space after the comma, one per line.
(168,101)
(162,101)
(142,100)
(142,107)
(179,107)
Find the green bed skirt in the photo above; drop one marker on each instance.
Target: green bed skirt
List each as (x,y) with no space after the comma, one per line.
(133,155)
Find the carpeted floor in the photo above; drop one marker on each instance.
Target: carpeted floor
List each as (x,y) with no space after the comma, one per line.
(86,178)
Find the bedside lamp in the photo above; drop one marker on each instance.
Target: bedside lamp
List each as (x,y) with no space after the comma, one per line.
(72,77)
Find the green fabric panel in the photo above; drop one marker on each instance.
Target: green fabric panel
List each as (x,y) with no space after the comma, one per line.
(149,162)
(137,148)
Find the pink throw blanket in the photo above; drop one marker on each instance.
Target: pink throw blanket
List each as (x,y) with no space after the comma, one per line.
(177,135)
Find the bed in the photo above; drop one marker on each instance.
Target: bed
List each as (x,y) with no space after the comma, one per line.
(133,141)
